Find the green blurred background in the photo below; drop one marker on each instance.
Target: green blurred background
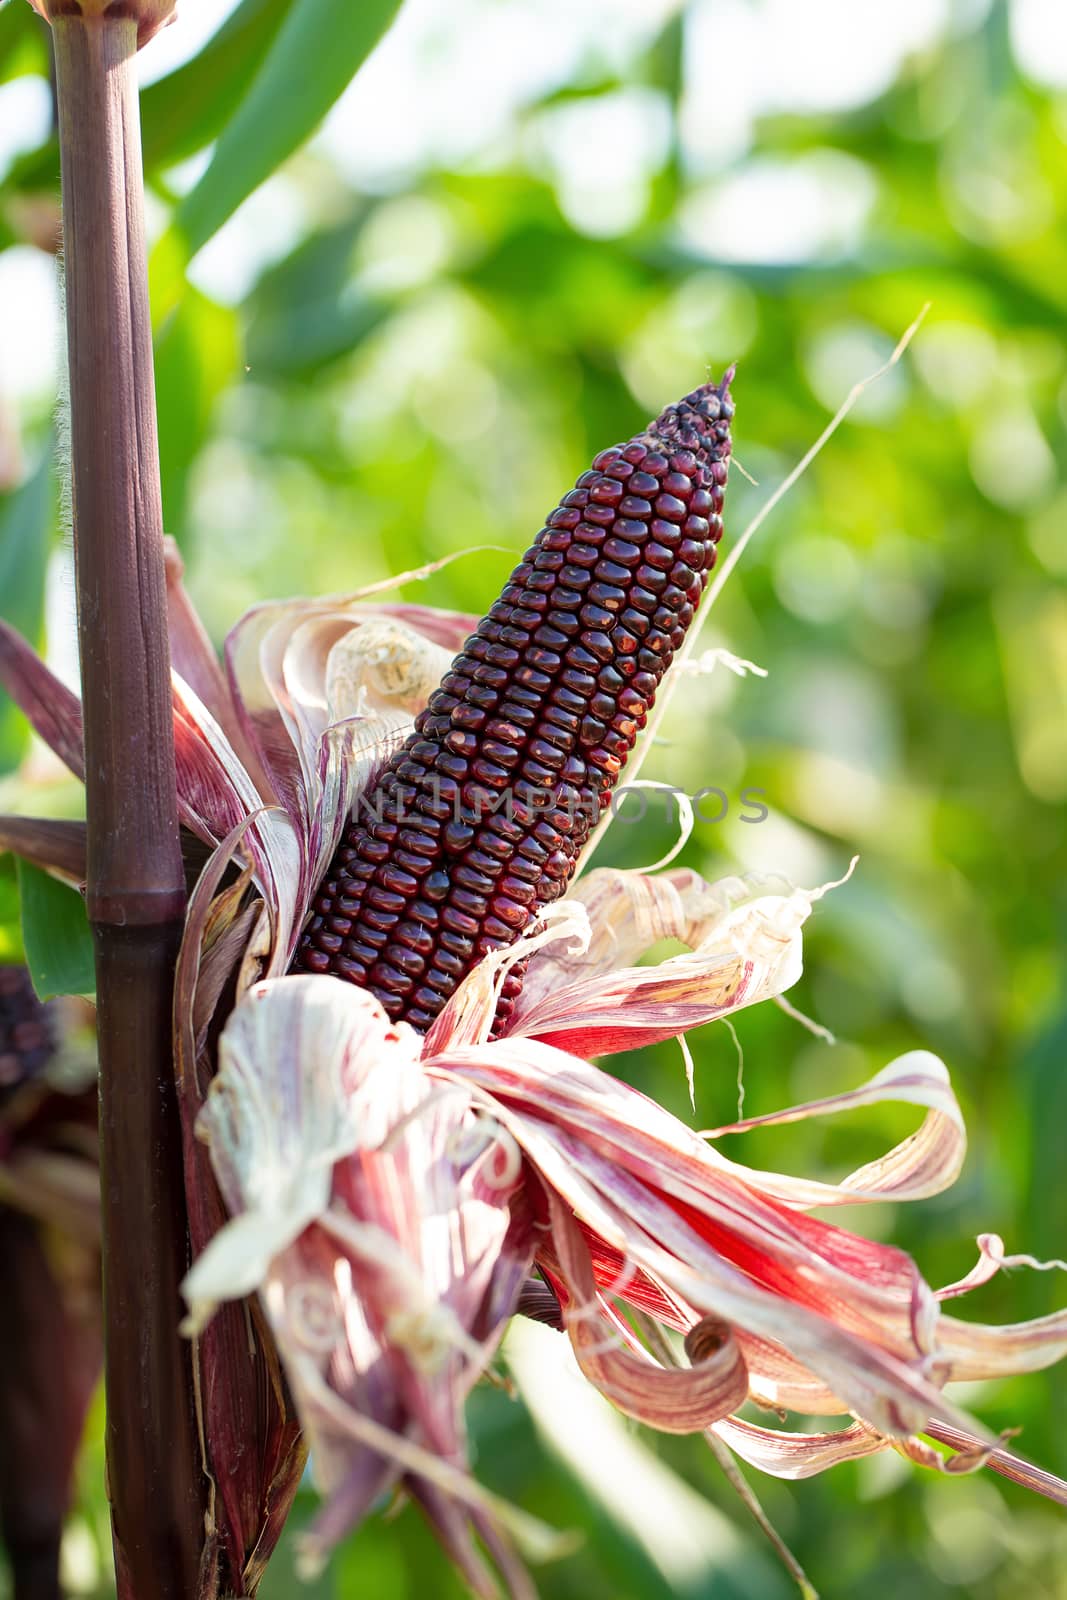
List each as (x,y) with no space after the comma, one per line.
(526,226)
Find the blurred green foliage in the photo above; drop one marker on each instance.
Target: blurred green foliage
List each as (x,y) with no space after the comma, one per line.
(428,367)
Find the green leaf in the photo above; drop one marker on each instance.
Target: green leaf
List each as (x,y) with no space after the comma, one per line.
(317,51)
(36,171)
(55,934)
(197,355)
(11,950)
(185,111)
(308,310)
(26,520)
(23,42)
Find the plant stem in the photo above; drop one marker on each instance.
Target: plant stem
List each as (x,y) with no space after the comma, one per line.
(135,883)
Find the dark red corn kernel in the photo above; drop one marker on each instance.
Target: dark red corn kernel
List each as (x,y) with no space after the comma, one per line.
(583,555)
(414,937)
(504,755)
(526,872)
(678,483)
(391,979)
(364,952)
(598,644)
(452,966)
(399,882)
(658,556)
(610,765)
(668,533)
(634,622)
(693,552)
(632,505)
(594,616)
(517,695)
(611,572)
(469,878)
(618,744)
(578,657)
(573,685)
(560,726)
(488,773)
(623,550)
(550,638)
(312,959)
(534,678)
(541,777)
(478,821)
(608,595)
(344,967)
(469,901)
(564,517)
(493,677)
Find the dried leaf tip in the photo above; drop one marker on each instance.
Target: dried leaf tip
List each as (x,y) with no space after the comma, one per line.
(149,15)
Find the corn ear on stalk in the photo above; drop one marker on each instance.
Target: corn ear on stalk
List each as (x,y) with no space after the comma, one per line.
(478,820)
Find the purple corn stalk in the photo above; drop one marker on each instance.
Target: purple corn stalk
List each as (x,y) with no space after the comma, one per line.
(477,822)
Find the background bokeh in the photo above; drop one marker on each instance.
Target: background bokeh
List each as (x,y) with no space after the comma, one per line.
(526,226)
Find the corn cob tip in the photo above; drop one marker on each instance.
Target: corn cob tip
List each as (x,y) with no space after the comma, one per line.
(27,1037)
(700,421)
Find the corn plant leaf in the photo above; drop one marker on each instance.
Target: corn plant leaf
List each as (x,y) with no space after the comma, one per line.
(197,353)
(318,49)
(306,311)
(187,109)
(26,518)
(22,42)
(55,934)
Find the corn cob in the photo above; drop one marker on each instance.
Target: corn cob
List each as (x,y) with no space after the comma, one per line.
(27,1035)
(478,820)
